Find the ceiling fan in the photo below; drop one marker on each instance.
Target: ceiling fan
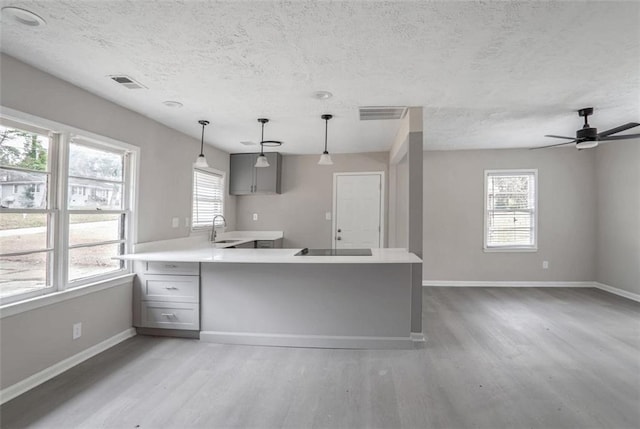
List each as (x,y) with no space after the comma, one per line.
(588,137)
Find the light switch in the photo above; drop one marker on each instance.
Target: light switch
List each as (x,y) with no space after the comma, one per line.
(327,216)
(255,216)
(545,265)
(175,222)
(186,222)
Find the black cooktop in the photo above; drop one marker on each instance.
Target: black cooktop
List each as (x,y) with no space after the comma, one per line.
(334,252)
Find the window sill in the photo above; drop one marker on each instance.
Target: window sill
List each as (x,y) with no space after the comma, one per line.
(53,298)
(510,249)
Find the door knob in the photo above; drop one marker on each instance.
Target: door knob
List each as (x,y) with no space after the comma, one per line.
(339,230)
(338,238)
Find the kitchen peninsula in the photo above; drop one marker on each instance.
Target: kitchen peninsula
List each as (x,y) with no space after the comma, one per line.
(275,297)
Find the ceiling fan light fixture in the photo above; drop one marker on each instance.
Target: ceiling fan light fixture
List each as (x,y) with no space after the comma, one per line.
(325,158)
(587,144)
(201,161)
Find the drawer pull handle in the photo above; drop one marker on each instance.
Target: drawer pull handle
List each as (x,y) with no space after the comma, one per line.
(171,288)
(168,314)
(170,266)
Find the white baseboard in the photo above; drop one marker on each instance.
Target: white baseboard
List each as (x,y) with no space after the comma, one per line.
(617,291)
(315,341)
(483,283)
(418,337)
(46,374)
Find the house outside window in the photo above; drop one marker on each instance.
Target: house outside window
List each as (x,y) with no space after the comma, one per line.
(511,212)
(54,233)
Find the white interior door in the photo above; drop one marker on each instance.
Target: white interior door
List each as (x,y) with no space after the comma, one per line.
(357,210)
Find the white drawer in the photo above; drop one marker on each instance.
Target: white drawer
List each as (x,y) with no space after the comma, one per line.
(170,315)
(189,268)
(170,288)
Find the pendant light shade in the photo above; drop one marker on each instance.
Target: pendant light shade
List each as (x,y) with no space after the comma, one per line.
(262,161)
(201,161)
(325,158)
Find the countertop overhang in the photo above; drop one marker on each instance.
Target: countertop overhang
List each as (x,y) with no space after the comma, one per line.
(270,256)
(198,249)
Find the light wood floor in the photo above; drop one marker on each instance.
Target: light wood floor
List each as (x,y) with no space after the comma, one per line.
(495,358)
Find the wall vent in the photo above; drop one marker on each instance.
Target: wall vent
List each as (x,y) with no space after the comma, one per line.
(373,113)
(127,82)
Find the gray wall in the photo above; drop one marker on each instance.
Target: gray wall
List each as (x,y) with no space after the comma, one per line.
(37,339)
(307,194)
(399,227)
(453,216)
(166,156)
(34,340)
(618,214)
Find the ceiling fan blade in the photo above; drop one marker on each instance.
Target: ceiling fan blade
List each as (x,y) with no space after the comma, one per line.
(560,137)
(624,137)
(618,129)
(552,145)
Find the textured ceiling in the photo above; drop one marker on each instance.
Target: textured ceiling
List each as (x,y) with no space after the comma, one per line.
(488,74)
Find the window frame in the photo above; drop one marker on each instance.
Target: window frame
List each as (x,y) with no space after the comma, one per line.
(60,138)
(534,230)
(211,171)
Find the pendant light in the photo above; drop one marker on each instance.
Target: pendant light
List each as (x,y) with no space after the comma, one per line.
(262,161)
(201,161)
(325,158)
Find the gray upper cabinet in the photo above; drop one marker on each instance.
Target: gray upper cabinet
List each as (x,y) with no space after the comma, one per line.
(245,179)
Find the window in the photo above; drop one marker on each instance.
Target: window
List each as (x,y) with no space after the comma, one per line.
(60,227)
(97,217)
(208,198)
(510,210)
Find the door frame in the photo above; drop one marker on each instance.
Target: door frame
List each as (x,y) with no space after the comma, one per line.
(335,198)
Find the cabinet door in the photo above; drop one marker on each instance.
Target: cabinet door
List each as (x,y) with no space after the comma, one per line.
(241,173)
(268,179)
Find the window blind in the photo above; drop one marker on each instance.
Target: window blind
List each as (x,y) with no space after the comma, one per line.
(208,198)
(510,209)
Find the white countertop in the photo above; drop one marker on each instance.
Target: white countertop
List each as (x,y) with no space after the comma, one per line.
(271,256)
(198,250)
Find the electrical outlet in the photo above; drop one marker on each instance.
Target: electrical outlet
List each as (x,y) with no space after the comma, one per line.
(77,330)
(255,216)
(327,216)
(545,265)
(175,222)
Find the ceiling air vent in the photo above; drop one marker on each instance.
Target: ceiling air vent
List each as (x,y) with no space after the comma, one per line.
(374,113)
(127,82)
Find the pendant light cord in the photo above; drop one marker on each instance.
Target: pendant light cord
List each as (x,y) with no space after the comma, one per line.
(202,141)
(262,141)
(326,131)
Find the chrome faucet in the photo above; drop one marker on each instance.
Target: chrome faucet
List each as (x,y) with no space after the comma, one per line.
(214,233)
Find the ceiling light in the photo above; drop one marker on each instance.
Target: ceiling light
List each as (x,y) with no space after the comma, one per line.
(325,158)
(323,95)
(173,104)
(201,161)
(262,161)
(587,144)
(23,16)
